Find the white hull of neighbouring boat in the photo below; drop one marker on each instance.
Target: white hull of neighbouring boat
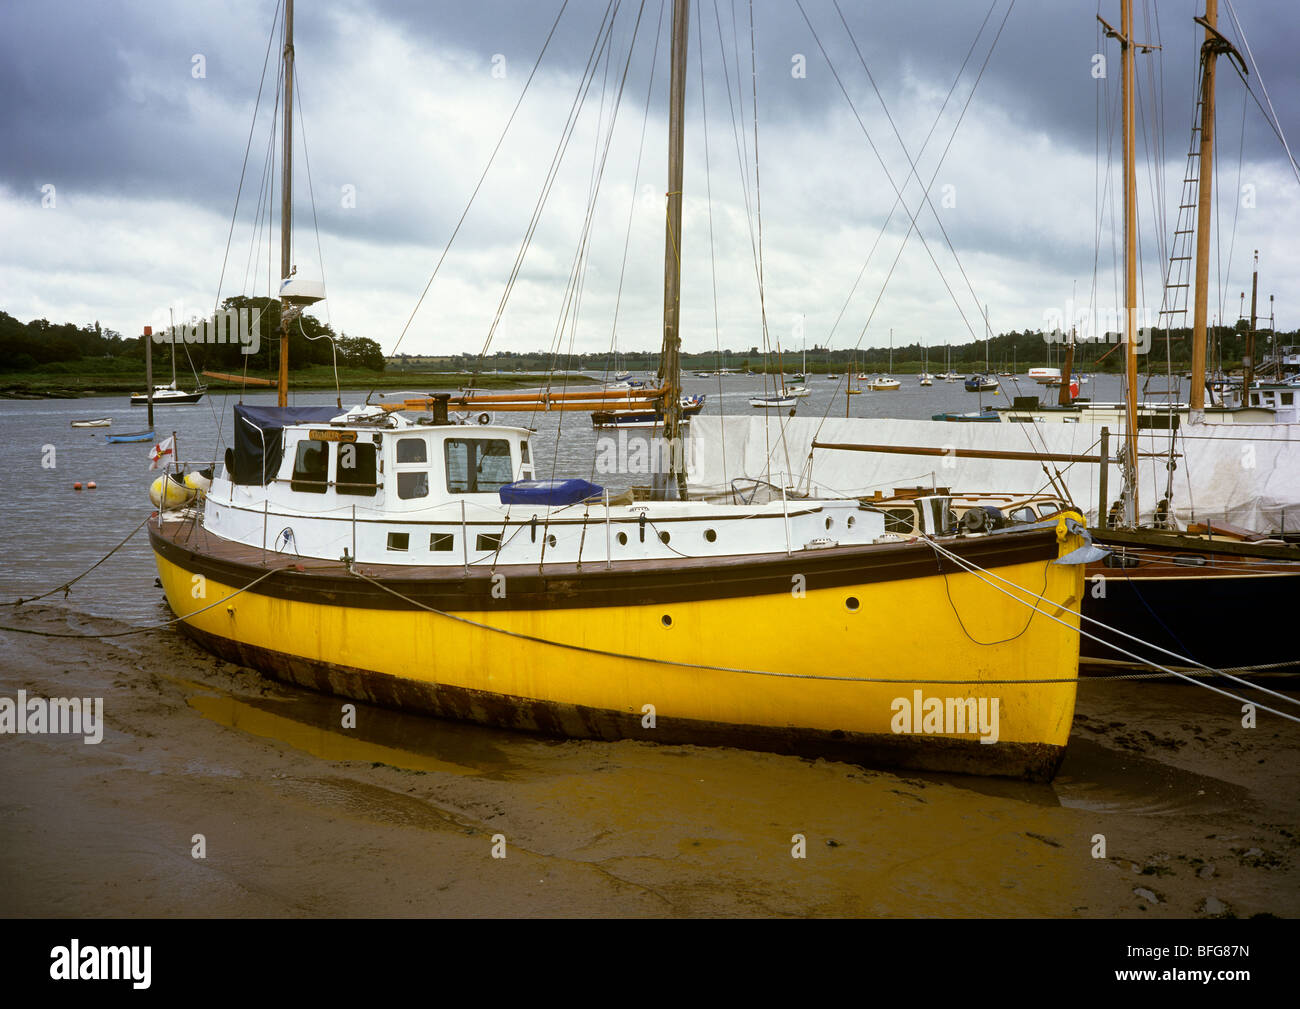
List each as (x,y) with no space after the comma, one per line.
(166,397)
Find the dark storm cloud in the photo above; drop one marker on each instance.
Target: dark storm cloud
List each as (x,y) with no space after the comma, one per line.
(101,94)
(398,100)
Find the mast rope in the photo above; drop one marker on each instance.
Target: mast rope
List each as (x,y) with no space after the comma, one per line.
(151,627)
(981,572)
(66,586)
(486,168)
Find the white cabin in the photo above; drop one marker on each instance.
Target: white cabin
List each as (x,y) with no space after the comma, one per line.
(379,488)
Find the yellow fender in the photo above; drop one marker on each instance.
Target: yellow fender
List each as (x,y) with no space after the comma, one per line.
(169,492)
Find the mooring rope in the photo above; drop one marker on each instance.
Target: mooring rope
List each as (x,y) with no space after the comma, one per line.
(150,627)
(66,586)
(979,573)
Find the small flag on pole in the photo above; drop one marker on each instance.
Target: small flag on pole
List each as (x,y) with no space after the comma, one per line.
(162,453)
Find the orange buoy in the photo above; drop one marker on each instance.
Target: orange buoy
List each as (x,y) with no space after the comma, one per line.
(90,485)
(76,486)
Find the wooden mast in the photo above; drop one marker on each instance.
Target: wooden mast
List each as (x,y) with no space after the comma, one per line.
(1209,52)
(286,201)
(670,373)
(1130,268)
(1248,371)
(1063,397)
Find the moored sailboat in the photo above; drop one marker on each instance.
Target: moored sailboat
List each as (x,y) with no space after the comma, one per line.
(430,570)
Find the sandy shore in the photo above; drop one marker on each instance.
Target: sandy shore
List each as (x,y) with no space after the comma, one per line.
(401,815)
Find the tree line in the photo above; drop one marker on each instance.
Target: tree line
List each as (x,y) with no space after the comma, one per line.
(45,346)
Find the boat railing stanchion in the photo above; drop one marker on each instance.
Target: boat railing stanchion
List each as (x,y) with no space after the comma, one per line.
(785,516)
(464,537)
(266,515)
(609,549)
(1103,480)
(354,530)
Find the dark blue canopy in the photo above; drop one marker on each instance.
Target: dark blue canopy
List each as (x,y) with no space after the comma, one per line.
(548,492)
(258,442)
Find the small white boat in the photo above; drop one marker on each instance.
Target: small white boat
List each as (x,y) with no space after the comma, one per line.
(1046,376)
(167,394)
(97,422)
(927,378)
(886,383)
(773,402)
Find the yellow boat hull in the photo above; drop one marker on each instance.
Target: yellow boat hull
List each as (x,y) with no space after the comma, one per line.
(849,671)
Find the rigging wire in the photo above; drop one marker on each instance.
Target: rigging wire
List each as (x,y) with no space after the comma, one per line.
(491,158)
(566,135)
(1271,116)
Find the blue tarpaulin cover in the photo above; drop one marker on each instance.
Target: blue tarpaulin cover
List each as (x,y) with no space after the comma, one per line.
(548,492)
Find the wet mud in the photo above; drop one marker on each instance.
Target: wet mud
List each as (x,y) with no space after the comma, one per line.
(1165,806)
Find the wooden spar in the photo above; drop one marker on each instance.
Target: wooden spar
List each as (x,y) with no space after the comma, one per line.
(221,376)
(148,371)
(1063,397)
(670,360)
(1209,52)
(1248,369)
(601,399)
(973,453)
(621,395)
(286,202)
(1130,267)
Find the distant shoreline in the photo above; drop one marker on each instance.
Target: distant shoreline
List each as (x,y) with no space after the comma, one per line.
(89,386)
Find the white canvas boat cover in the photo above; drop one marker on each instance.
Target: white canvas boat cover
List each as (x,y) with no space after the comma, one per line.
(1246,474)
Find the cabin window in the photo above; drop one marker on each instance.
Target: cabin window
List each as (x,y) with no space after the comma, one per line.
(1048,510)
(523,452)
(1288,399)
(310,467)
(477,465)
(440,542)
(411,450)
(399,541)
(1025,514)
(355,471)
(412,485)
(899,520)
(488,541)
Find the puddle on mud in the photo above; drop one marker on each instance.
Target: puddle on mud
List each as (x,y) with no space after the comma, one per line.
(1097,778)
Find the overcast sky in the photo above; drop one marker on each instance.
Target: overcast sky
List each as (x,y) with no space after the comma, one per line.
(137,115)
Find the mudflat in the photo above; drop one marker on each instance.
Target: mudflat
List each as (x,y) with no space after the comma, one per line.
(1166,806)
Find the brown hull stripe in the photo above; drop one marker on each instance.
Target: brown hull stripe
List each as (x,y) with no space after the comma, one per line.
(628,583)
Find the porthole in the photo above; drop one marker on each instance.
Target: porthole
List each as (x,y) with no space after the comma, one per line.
(829,522)
(710,535)
(550,540)
(622,539)
(664,536)
(666,620)
(851,604)
(851,521)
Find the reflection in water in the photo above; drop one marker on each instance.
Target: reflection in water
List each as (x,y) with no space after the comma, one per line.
(313,724)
